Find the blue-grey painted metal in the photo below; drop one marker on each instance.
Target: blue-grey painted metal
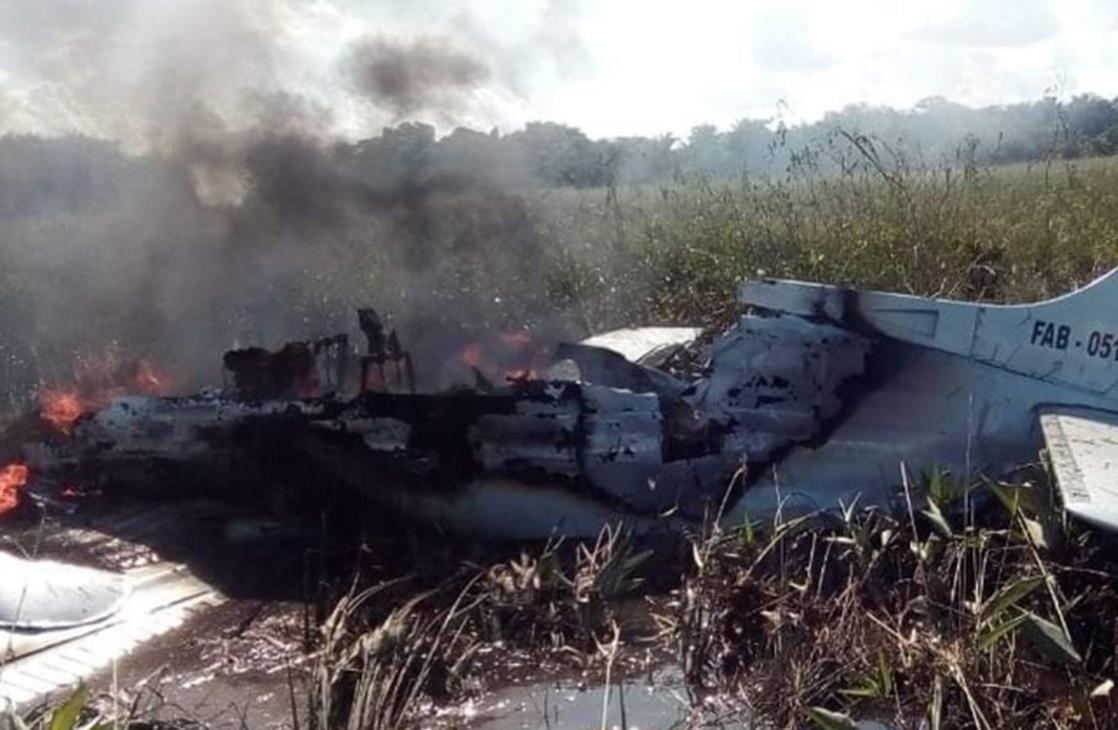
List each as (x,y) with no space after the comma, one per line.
(954,386)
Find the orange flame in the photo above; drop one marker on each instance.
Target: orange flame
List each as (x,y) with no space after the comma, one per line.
(510,356)
(60,408)
(12,478)
(98,383)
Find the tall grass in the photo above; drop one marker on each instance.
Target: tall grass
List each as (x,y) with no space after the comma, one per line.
(388,654)
(973,606)
(939,617)
(676,252)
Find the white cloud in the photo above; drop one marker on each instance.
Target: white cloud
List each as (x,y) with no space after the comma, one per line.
(990,22)
(612,67)
(782,41)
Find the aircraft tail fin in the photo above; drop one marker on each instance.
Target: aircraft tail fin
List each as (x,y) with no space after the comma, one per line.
(1072,338)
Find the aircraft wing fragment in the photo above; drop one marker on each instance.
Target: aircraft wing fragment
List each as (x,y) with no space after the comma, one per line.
(1083,448)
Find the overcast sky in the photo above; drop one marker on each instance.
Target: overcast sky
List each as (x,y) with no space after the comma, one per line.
(122,68)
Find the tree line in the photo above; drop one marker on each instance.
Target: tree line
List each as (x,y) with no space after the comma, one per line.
(934,132)
(410,158)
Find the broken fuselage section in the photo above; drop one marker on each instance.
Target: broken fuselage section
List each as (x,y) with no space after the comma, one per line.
(819,395)
(597,438)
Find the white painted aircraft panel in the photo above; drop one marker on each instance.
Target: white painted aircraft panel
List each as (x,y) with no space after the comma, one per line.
(1083,448)
(638,343)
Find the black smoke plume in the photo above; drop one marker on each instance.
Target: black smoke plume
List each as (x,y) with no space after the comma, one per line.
(411,76)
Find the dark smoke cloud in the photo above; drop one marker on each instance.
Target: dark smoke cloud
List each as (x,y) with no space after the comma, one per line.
(102,250)
(207,200)
(416,75)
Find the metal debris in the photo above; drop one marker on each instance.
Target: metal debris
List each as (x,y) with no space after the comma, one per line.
(820,394)
(43,594)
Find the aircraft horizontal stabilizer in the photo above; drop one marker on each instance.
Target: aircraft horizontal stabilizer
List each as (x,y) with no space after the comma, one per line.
(1083,447)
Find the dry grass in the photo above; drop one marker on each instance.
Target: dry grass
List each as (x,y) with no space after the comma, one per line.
(995,617)
(976,608)
(675,253)
(390,653)
(377,673)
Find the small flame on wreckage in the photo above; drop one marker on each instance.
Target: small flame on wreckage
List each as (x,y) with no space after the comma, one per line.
(12,479)
(512,356)
(60,408)
(97,384)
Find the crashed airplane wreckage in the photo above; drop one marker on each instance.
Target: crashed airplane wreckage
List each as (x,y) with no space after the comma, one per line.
(818,394)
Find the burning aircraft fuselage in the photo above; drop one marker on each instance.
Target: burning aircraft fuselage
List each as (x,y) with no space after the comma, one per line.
(623,441)
(819,395)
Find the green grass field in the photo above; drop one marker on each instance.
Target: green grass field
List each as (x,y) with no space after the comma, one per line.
(675,253)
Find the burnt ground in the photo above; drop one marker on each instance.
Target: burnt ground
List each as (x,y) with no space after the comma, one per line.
(247,662)
(241,664)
